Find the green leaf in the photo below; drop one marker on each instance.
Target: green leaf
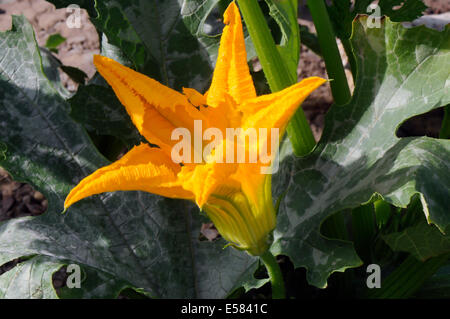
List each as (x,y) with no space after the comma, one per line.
(408,11)
(99,110)
(144,240)
(50,64)
(94,285)
(113,52)
(423,241)
(75,74)
(438,286)
(31,279)
(154,36)
(342,14)
(172,42)
(53,41)
(403,72)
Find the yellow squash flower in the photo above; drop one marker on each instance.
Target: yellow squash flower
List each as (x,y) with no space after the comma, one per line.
(236,196)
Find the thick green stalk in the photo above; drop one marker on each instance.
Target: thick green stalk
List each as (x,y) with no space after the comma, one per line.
(364,230)
(445,128)
(351,58)
(275,275)
(330,51)
(276,72)
(407,278)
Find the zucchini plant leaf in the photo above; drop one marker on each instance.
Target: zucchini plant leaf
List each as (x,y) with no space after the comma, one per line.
(99,110)
(30,279)
(402,72)
(94,284)
(144,240)
(342,12)
(423,241)
(163,39)
(173,42)
(436,287)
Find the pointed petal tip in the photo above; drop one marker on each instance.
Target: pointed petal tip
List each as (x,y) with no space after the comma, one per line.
(69,201)
(231,13)
(100,60)
(316,79)
(200,202)
(97,58)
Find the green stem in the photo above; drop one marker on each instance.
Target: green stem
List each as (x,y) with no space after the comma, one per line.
(276,72)
(330,51)
(275,275)
(445,128)
(407,278)
(351,57)
(364,230)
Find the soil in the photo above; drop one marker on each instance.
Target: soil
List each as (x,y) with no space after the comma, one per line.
(80,45)
(20,199)
(437,6)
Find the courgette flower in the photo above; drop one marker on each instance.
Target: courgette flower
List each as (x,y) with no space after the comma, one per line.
(235,194)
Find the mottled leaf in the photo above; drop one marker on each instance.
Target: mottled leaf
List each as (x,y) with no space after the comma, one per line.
(94,284)
(403,72)
(342,12)
(99,110)
(31,279)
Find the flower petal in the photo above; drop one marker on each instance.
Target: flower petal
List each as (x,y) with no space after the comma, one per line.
(276,109)
(202,180)
(142,168)
(155,109)
(231,73)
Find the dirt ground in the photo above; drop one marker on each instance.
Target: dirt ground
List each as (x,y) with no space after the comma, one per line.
(19,199)
(80,45)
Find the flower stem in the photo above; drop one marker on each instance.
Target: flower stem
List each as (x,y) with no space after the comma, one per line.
(351,57)
(330,51)
(364,230)
(276,72)
(275,275)
(445,128)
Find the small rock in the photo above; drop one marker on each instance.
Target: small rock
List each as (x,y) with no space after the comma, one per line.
(209,231)
(38,196)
